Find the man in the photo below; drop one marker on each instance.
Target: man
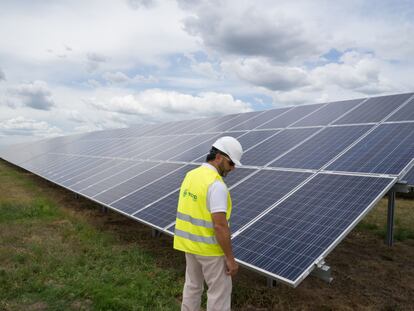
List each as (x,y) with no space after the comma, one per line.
(202,229)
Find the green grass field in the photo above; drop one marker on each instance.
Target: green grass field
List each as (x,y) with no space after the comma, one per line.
(53,259)
(62,253)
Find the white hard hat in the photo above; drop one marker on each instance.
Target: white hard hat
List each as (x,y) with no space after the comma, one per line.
(230,146)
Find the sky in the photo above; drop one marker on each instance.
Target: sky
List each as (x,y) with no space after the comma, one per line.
(74,66)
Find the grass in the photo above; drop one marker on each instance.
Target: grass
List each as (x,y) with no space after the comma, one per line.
(58,253)
(50,258)
(376,220)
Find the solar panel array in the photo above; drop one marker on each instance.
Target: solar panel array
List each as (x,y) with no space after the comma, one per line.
(309,174)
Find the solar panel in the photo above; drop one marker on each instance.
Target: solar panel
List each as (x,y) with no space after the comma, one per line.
(97,167)
(301,189)
(152,192)
(328,113)
(179,148)
(162,213)
(321,148)
(113,180)
(386,150)
(260,119)
(259,192)
(291,116)
(374,109)
(288,240)
(145,177)
(406,113)
(200,150)
(117,167)
(275,146)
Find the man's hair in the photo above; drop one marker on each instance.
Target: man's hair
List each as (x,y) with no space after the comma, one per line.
(212,154)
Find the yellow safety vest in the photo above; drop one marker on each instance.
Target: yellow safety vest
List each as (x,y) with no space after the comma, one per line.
(194,232)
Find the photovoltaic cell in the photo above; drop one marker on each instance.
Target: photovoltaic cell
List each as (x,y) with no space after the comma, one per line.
(92,170)
(406,113)
(119,166)
(252,138)
(201,149)
(288,240)
(160,144)
(238,118)
(116,179)
(113,194)
(386,150)
(163,212)
(179,148)
(328,113)
(290,117)
(275,146)
(260,119)
(322,147)
(374,109)
(152,192)
(259,192)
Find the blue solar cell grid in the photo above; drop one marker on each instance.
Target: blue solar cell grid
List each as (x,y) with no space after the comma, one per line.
(290,117)
(260,192)
(374,109)
(276,145)
(152,192)
(260,119)
(328,113)
(149,175)
(406,113)
(386,150)
(289,239)
(321,148)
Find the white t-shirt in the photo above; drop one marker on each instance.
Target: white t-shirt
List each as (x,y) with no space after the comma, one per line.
(216,195)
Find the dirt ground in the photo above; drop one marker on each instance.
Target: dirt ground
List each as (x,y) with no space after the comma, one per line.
(368,275)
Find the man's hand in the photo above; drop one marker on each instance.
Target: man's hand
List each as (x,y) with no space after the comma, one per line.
(232,267)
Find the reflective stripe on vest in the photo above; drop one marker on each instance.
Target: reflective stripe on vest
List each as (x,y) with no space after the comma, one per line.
(194,231)
(195,238)
(195,221)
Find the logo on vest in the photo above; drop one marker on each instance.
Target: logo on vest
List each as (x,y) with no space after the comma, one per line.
(191,195)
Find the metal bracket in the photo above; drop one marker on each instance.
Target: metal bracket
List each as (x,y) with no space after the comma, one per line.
(323,272)
(401,187)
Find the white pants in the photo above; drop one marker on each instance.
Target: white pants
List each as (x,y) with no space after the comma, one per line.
(212,269)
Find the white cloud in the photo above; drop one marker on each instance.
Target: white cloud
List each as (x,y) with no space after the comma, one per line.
(261,72)
(2,75)
(243,28)
(35,95)
(138,4)
(21,126)
(158,105)
(355,71)
(119,77)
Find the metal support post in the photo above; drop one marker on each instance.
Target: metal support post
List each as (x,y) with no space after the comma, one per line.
(390,218)
(76,196)
(271,282)
(104,209)
(155,233)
